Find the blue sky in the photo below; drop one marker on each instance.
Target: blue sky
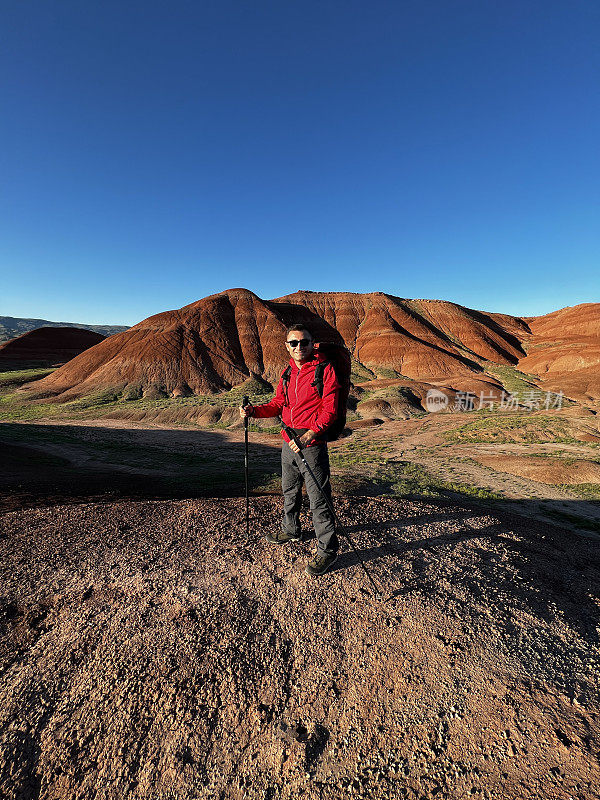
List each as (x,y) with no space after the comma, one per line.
(152,153)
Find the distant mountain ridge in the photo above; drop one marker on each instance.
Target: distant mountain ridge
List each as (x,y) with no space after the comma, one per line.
(234,336)
(11,327)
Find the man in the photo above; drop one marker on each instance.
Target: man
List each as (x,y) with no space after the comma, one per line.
(303,409)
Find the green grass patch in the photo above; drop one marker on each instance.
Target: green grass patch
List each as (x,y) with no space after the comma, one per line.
(523,386)
(95,401)
(257,392)
(389,393)
(360,465)
(509,427)
(13,409)
(387,374)
(411,479)
(21,376)
(254,428)
(588,491)
(359,373)
(357,451)
(514,381)
(270,483)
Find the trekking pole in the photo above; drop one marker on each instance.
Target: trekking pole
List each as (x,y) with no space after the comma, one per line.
(341,529)
(245,402)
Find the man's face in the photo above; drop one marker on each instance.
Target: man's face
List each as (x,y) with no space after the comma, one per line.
(300,346)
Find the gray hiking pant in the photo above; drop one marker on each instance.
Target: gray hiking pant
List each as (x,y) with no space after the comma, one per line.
(293,473)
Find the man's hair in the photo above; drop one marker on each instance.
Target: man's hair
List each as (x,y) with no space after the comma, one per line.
(299,327)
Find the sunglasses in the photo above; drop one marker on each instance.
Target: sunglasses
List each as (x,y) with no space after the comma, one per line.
(302,342)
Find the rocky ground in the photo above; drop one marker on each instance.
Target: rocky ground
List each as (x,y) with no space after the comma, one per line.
(149,652)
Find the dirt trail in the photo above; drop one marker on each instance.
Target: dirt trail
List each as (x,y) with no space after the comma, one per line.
(190,437)
(148,653)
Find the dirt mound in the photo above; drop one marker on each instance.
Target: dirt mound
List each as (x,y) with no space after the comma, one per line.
(384,409)
(228,338)
(580,320)
(366,422)
(419,339)
(397,399)
(545,469)
(485,335)
(582,385)
(146,652)
(207,346)
(569,368)
(50,345)
(388,399)
(570,354)
(564,351)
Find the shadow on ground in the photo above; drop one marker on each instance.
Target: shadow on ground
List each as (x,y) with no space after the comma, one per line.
(49,464)
(467,556)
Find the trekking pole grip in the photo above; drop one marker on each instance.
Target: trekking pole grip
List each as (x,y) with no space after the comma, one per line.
(245,404)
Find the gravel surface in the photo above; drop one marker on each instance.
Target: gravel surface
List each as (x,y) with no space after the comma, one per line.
(147,651)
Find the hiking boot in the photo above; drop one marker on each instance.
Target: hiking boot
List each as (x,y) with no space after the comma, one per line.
(320,563)
(282,537)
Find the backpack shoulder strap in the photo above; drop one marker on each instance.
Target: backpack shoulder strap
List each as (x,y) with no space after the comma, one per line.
(285,379)
(318,380)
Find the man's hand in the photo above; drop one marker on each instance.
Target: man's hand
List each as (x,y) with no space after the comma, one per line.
(305,440)
(246,411)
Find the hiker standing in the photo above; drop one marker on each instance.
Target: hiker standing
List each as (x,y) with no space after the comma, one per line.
(307,398)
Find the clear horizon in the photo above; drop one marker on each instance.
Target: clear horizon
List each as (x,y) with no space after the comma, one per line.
(152,156)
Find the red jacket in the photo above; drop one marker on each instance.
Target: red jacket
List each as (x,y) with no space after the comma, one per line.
(301,406)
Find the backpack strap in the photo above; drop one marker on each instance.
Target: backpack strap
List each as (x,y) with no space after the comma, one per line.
(318,381)
(285,377)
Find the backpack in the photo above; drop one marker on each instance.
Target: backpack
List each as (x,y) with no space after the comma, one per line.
(339,357)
